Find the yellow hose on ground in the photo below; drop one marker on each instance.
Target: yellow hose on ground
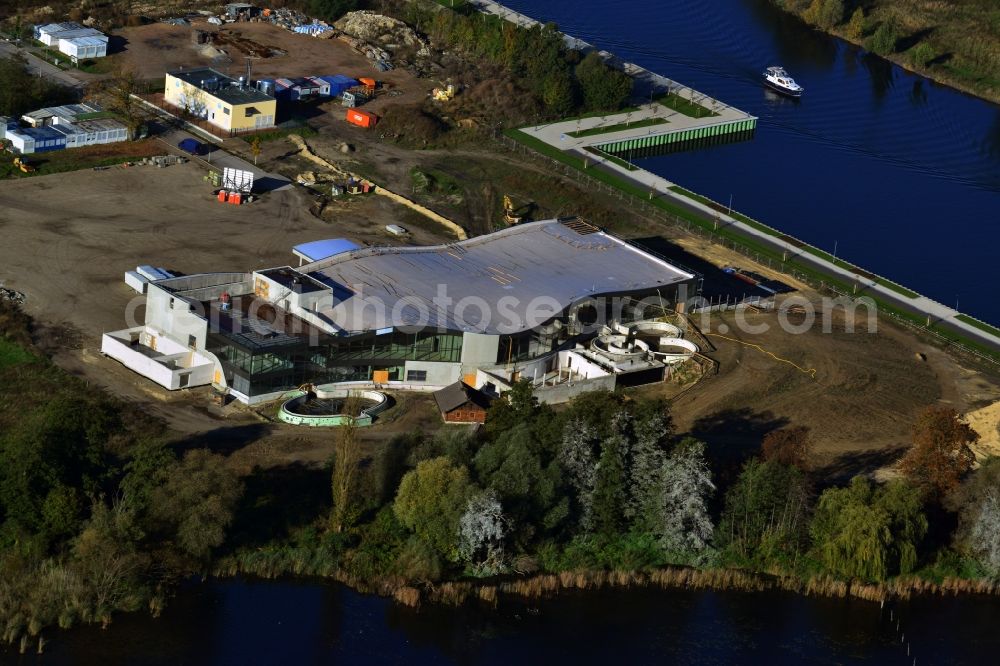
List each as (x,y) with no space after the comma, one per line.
(809,371)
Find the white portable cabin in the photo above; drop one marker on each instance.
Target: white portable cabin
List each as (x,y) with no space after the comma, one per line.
(48,34)
(82,48)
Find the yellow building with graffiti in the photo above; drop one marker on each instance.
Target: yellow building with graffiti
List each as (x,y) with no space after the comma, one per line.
(230,104)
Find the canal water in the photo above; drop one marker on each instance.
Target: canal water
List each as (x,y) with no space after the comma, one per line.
(892,171)
(241,622)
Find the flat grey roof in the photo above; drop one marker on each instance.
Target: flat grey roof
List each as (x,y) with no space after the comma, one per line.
(524,275)
(228,88)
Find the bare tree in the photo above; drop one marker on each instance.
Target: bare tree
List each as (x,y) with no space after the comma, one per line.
(683,522)
(481,531)
(984,536)
(119,94)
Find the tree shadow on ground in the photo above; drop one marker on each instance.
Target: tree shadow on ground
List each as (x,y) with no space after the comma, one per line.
(732,436)
(224,440)
(278,499)
(865,463)
(908,42)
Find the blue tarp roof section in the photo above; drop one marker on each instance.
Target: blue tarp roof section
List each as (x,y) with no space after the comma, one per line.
(42,133)
(323,249)
(339,83)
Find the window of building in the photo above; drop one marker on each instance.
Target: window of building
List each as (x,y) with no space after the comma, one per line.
(416,375)
(225,111)
(192,342)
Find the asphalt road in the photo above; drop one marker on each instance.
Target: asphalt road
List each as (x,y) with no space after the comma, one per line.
(40,68)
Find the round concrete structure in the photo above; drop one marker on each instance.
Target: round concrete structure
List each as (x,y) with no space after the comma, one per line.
(322,407)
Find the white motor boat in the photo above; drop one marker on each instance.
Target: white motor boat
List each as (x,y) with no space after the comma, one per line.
(778,79)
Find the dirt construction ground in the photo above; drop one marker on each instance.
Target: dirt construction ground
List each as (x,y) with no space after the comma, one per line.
(858,393)
(154,49)
(69,238)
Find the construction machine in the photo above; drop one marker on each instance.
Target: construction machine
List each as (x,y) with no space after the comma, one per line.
(23,166)
(510,215)
(444,94)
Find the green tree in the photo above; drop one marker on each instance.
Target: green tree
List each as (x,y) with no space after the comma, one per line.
(330,10)
(831,13)
(518,405)
(430,502)
(603,88)
(610,484)
(55,451)
(527,479)
(558,94)
(857,25)
(765,514)
(883,41)
(195,503)
(869,532)
(922,54)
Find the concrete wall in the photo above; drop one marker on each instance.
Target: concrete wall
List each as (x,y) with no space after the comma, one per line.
(172,316)
(581,365)
(438,373)
(169,370)
(552,395)
(479,350)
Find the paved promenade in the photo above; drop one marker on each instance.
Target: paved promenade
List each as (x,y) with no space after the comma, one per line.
(560,134)
(938,313)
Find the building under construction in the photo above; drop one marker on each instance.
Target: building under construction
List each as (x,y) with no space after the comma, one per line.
(523,302)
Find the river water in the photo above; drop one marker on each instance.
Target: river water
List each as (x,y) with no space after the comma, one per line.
(242,622)
(890,170)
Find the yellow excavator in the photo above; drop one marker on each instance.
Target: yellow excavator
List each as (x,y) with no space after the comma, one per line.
(23,166)
(510,215)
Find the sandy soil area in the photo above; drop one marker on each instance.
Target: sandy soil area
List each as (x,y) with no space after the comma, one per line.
(151,50)
(986,422)
(858,393)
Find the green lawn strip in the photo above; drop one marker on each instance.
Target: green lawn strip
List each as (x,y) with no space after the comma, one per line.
(96,115)
(815,251)
(620,127)
(611,158)
(981,325)
(12,354)
(790,266)
(274,135)
(62,161)
(687,107)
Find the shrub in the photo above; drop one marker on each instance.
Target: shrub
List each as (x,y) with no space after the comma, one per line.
(883,42)
(922,54)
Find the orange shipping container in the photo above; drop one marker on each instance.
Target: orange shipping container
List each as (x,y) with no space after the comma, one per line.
(361,118)
(367,83)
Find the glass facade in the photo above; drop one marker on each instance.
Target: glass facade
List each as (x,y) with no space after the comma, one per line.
(259,369)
